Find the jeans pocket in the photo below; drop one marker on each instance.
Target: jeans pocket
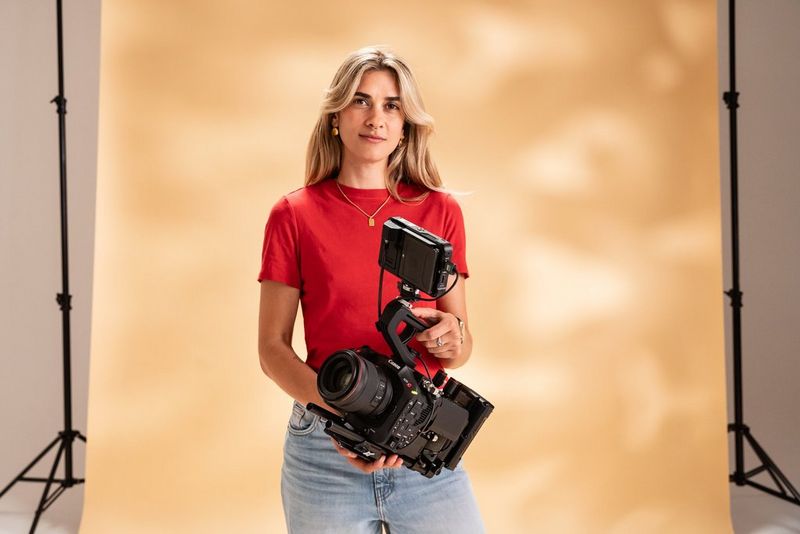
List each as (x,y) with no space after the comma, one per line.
(302,422)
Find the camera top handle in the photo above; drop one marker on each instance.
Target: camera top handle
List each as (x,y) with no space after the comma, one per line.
(396,312)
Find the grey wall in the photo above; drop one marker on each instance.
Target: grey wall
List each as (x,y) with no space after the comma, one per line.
(31,393)
(768,79)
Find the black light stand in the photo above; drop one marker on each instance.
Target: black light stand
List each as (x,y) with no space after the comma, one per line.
(784,490)
(68,435)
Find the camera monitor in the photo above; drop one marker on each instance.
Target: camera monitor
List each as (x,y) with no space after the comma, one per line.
(416,256)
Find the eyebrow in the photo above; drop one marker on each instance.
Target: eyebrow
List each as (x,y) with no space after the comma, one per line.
(365,95)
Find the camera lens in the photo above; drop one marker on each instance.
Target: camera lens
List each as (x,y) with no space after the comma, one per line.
(351,383)
(339,378)
(342,379)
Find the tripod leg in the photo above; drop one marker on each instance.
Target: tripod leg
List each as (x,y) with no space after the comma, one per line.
(773,469)
(35,460)
(765,460)
(52,476)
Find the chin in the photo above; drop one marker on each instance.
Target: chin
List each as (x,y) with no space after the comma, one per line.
(372,156)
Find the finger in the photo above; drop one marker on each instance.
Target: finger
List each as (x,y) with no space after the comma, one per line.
(444,352)
(427,313)
(438,342)
(377,464)
(345,452)
(394,461)
(437,330)
(448,342)
(360,464)
(429,337)
(341,450)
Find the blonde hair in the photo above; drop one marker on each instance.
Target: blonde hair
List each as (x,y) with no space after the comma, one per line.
(411,161)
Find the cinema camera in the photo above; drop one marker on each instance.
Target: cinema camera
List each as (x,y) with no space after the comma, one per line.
(387,406)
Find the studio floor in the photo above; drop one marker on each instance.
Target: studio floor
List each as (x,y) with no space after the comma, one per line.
(753,512)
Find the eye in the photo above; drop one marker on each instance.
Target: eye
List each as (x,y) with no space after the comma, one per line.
(360,101)
(393,105)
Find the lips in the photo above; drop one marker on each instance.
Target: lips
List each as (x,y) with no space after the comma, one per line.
(372,137)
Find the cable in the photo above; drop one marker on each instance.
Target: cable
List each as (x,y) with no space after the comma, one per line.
(427,371)
(443,294)
(380,293)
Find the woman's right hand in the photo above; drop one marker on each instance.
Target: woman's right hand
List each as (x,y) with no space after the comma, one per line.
(392,462)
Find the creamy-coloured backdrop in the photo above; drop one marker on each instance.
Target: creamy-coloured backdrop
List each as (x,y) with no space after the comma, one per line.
(587,133)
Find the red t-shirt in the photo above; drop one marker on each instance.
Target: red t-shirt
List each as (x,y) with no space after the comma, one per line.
(320,244)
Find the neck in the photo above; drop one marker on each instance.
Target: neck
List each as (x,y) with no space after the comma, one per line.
(367,175)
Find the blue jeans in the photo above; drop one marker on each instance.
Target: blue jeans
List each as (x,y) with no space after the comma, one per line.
(323,493)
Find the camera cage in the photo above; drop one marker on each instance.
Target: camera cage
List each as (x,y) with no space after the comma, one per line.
(398,238)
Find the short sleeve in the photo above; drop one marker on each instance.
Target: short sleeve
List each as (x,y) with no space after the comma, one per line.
(455,234)
(280,256)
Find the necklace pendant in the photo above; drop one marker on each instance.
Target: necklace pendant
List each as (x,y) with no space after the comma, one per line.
(371,221)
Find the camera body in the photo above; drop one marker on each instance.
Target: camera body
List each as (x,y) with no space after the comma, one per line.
(393,409)
(387,406)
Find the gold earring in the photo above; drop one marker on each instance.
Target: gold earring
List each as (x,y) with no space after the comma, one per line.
(335,131)
(401,141)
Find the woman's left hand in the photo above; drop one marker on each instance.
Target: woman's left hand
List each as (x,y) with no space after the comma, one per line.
(443,338)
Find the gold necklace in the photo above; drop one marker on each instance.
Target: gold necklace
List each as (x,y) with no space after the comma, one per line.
(371,218)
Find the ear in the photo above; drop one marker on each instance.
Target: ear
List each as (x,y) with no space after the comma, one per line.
(334,120)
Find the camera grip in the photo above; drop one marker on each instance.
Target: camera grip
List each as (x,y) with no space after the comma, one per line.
(394,314)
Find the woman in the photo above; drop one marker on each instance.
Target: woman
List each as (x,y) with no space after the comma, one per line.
(367,160)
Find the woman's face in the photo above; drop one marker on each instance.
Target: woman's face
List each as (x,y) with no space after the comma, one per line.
(372,124)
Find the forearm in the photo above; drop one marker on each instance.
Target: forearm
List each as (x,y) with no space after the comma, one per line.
(291,374)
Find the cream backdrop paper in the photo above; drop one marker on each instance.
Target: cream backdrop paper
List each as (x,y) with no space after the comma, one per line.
(587,134)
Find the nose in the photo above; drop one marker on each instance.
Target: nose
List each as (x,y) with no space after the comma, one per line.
(375,118)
